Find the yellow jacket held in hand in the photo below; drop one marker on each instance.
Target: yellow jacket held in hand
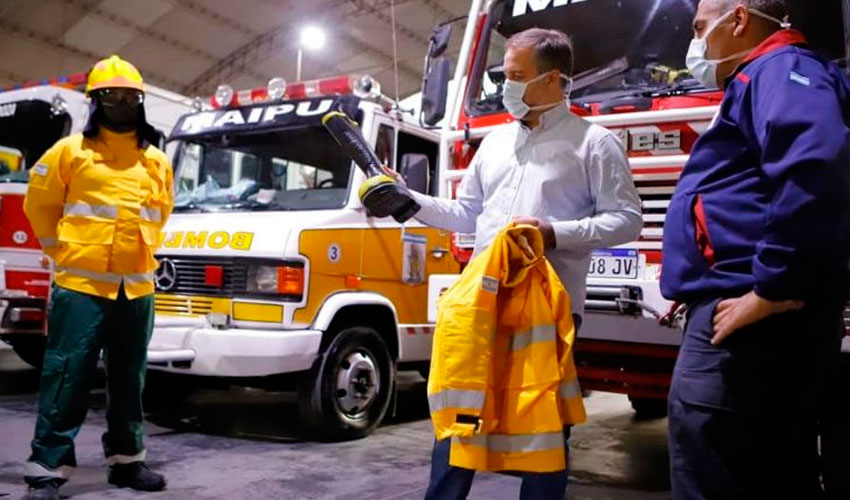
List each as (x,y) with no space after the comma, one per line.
(503,383)
(98,205)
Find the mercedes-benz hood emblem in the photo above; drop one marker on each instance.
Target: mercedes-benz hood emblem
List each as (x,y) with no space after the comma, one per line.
(166,275)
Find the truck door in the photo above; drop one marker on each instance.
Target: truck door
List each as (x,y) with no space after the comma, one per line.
(398,260)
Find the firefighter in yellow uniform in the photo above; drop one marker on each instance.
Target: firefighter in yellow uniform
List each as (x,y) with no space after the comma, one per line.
(97,201)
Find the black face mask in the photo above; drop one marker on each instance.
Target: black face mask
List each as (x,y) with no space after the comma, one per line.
(121,118)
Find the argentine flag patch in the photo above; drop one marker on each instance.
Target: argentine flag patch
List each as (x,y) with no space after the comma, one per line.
(490,284)
(802,80)
(40,169)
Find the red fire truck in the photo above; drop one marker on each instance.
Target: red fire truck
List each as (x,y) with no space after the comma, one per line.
(33,116)
(630,77)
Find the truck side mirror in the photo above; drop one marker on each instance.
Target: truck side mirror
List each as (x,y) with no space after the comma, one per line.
(435,90)
(435,84)
(439,40)
(496,73)
(414,170)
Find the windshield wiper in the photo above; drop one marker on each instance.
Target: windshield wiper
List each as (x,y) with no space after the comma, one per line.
(191,206)
(596,75)
(680,88)
(256,205)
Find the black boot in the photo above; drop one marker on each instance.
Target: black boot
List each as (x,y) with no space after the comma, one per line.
(47,489)
(136,475)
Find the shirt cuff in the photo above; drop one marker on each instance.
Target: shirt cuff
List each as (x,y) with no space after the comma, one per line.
(425,202)
(567,234)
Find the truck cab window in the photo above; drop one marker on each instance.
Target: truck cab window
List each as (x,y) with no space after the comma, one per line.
(385,145)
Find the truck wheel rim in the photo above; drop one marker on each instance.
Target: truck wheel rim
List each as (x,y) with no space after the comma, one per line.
(357,384)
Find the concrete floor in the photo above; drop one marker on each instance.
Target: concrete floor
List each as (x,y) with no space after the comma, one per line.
(245,444)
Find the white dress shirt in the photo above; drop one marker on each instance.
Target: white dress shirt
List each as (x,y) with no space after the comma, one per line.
(567,171)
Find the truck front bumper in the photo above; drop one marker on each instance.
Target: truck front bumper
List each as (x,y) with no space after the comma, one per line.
(232,352)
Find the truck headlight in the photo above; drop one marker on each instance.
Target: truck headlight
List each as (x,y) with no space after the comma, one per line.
(276,280)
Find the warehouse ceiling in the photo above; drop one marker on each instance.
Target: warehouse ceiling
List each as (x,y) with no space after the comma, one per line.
(191,46)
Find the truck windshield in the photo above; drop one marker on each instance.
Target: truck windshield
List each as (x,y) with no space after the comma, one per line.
(294,169)
(27,129)
(634,47)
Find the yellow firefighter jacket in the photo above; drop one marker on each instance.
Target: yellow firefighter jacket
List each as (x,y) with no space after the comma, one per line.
(97,206)
(503,383)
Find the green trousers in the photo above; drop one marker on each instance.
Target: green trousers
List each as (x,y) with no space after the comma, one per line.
(79,326)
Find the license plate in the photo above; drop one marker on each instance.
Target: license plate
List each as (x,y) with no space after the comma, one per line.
(614,263)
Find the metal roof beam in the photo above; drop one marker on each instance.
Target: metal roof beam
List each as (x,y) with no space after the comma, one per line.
(362,46)
(239,59)
(200,10)
(380,14)
(146,31)
(56,44)
(441,12)
(243,55)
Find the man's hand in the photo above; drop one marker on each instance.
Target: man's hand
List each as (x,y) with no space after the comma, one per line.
(544,227)
(733,314)
(395,175)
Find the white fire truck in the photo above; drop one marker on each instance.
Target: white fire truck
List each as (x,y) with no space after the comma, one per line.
(33,117)
(271,266)
(629,78)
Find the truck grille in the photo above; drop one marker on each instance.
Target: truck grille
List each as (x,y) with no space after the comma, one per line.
(170,304)
(190,274)
(656,190)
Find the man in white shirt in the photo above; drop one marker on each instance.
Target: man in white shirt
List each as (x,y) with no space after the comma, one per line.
(551,169)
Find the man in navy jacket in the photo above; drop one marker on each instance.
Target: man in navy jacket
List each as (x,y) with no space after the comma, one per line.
(756,242)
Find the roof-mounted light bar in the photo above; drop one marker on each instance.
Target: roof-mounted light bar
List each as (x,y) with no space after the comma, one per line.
(362,86)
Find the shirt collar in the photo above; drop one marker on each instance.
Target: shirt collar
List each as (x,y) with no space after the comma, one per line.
(549,118)
(776,41)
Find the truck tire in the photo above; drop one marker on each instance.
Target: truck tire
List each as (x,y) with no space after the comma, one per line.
(30,348)
(346,393)
(649,408)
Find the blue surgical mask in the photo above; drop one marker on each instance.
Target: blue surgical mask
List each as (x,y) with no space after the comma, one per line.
(705,70)
(513,95)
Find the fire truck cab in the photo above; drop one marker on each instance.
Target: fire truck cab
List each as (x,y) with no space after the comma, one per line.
(273,274)
(629,76)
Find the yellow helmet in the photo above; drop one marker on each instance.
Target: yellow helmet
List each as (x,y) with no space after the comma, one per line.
(114,72)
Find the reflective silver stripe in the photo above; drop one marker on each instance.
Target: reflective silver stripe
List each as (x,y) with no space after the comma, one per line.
(138,277)
(456,398)
(127,459)
(516,443)
(108,277)
(150,214)
(47,242)
(86,210)
(570,389)
(538,333)
(35,469)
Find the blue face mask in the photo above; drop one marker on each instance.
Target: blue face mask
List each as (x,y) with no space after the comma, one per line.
(514,92)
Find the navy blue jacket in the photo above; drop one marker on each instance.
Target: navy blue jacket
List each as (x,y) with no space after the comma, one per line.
(764,202)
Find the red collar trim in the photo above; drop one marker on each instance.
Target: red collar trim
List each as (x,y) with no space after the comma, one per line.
(782,38)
